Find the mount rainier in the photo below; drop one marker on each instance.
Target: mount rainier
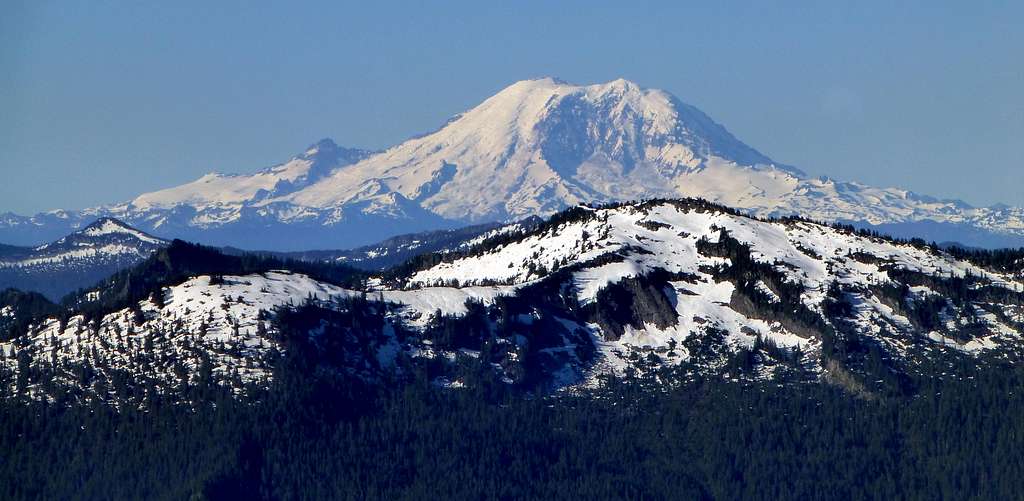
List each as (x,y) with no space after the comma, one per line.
(536,147)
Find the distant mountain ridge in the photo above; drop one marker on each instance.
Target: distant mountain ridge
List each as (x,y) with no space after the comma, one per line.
(77,260)
(106,246)
(536,147)
(386,253)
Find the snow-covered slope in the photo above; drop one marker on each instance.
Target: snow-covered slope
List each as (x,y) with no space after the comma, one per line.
(878,285)
(591,292)
(534,148)
(198,323)
(77,260)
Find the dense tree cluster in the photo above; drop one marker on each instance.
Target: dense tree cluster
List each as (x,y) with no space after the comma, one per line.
(1003,260)
(318,435)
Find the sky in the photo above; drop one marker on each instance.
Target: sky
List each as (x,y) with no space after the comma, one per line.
(101,101)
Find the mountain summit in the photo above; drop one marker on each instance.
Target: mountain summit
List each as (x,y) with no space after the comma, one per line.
(539,146)
(533,148)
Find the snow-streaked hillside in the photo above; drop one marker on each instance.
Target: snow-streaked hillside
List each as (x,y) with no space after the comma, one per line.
(220,329)
(589,293)
(220,326)
(534,148)
(76,260)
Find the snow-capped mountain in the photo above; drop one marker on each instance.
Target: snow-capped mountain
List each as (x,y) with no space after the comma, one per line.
(534,148)
(75,261)
(589,293)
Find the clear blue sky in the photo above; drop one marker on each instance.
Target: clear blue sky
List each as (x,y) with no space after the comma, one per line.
(100,101)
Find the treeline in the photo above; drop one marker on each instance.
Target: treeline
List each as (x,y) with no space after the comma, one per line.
(1002,260)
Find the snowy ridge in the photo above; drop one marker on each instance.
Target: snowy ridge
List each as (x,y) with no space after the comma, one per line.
(668,234)
(108,226)
(534,148)
(77,260)
(213,189)
(197,322)
(598,291)
(106,238)
(665,237)
(222,329)
(79,255)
